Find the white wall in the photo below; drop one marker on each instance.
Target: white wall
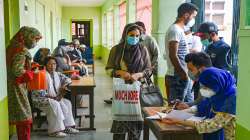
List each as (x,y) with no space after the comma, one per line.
(32,17)
(3,84)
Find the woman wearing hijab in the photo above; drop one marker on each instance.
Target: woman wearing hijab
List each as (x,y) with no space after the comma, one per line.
(18,74)
(218,106)
(128,60)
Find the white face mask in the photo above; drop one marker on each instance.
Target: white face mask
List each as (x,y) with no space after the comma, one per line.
(190,23)
(207,92)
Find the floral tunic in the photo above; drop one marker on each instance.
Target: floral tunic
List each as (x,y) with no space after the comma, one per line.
(220,120)
(18,60)
(18,103)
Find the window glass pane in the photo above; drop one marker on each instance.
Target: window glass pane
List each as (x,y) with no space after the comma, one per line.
(122,13)
(218,19)
(207,5)
(144,13)
(218,5)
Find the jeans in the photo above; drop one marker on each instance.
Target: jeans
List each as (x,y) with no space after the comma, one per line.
(179,89)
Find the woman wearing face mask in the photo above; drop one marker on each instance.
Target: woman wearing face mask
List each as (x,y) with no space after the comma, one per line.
(128,60)
(18,75)
(218,106)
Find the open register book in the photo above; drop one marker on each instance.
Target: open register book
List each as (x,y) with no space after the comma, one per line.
(177,114)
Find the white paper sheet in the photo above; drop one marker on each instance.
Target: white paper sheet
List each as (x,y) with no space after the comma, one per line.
(178,114)
(194,118)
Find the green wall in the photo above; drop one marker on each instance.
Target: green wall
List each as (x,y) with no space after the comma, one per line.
(4,127)
(11,18)
(83,13)
(243,96)
(4,124)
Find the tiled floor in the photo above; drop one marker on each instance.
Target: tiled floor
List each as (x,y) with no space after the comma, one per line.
(103,119)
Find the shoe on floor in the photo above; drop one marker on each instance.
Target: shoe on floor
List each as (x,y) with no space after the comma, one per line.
(58,135)
(71,130)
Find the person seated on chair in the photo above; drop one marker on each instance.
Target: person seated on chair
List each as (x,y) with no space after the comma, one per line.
(60,53)
(76,57)
(58,109)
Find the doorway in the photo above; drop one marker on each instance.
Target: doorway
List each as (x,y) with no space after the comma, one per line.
(82,30)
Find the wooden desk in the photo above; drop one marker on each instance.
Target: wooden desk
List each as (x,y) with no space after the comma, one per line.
(84,86)
(164,131)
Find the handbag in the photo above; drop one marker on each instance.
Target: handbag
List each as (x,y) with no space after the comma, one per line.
(150,95)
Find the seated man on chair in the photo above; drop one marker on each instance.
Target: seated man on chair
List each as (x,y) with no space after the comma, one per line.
(58,109)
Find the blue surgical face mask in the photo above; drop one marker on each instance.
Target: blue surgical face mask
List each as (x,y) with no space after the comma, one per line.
(132,40)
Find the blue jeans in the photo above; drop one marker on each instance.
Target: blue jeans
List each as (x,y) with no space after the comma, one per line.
(179,89)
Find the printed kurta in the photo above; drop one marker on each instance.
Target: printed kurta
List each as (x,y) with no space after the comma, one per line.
(18,103)
(18,60)
(220,120)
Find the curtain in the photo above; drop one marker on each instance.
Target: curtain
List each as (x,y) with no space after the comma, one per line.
(200,15)
(235,39)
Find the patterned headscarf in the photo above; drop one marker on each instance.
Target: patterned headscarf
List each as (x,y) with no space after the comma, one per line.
(23,39)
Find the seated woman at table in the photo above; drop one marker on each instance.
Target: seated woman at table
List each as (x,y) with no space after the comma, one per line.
(58,109)
(218,106)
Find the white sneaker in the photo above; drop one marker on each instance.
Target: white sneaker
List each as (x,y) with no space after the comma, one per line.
(58,134)
(71,130)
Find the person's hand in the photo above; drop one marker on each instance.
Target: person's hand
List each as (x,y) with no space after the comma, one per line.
(136,76)
(183,76)
(123,74)
(170,121)
(62,90)
(59,97)
(181,106)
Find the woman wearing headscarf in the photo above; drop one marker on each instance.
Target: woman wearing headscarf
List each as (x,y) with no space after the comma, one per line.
(18,74)
(60,52)
(128,60)
(218,106)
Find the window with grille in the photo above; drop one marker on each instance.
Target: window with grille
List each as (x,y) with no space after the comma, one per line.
(144,13)
(122,16)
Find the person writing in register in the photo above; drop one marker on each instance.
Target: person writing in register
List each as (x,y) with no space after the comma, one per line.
(218,105)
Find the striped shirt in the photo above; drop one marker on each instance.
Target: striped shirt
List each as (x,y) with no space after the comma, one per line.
(176,33)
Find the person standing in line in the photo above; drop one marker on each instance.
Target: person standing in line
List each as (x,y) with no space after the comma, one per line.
(216,48)
(18,60)
(177,80)
(152,46)
(130,61)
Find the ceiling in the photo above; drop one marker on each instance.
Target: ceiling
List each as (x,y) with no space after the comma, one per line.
(87,3)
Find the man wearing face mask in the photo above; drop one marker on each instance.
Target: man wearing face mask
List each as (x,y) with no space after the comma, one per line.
(152,46)
(215,47)
(177,80)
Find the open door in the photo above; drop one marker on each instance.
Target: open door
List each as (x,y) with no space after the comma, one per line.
(81,31)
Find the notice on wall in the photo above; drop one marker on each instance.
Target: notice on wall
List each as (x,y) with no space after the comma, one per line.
(3,84)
